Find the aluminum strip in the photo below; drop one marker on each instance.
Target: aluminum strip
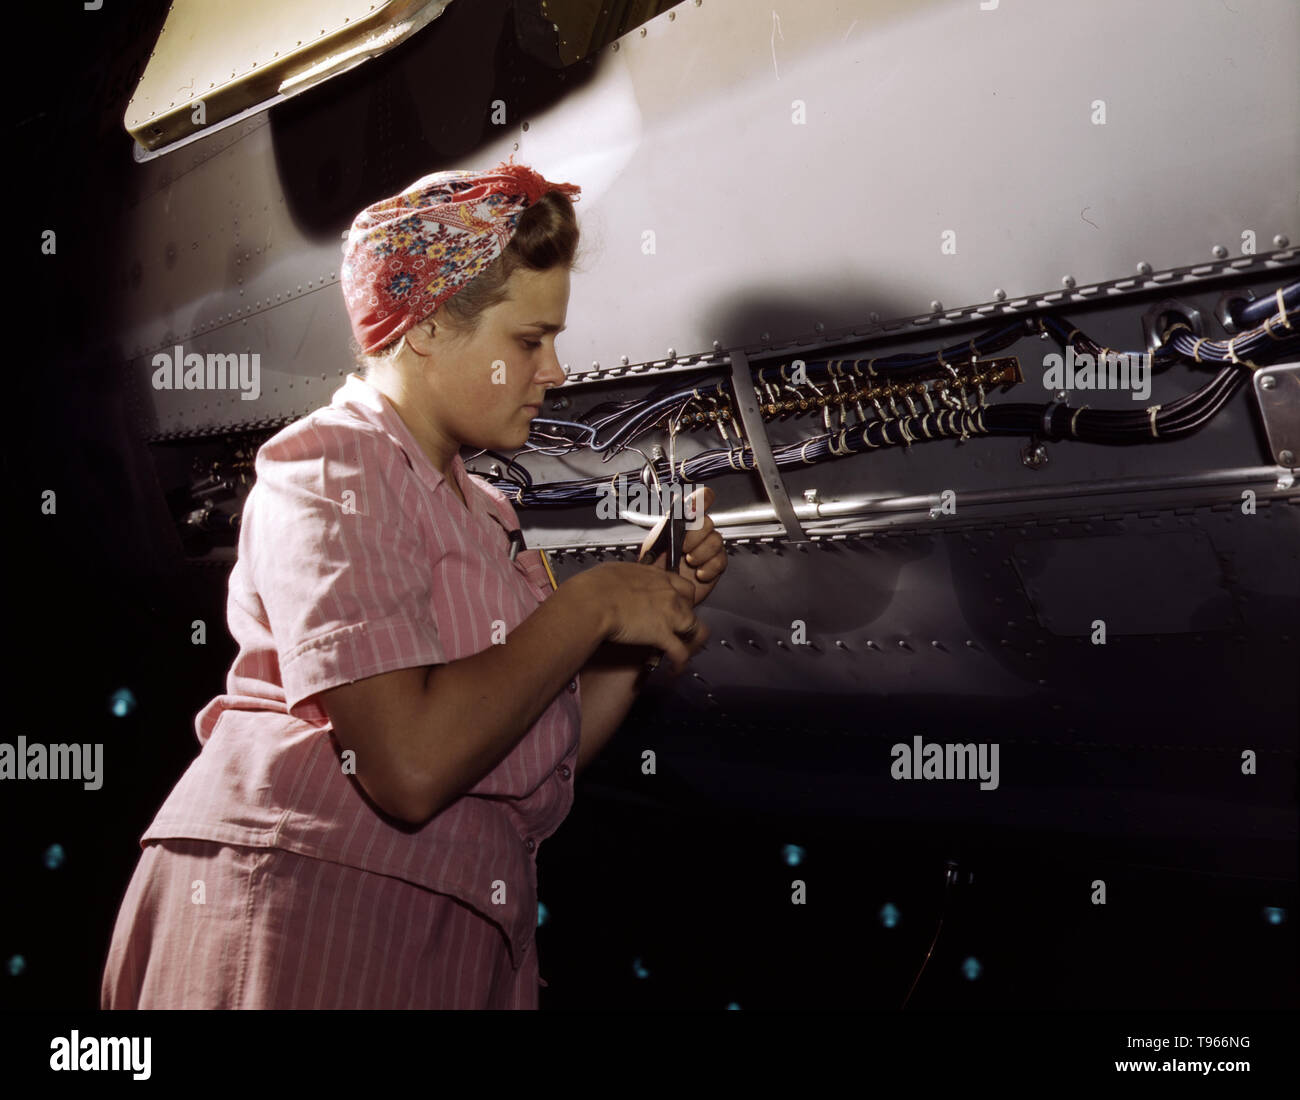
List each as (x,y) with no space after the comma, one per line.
(742,388)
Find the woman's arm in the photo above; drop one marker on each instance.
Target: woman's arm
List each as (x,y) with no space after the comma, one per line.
(422,737)
(610,683)
(616,673)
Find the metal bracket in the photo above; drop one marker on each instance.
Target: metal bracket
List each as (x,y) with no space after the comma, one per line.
(1277,391)
(742,388)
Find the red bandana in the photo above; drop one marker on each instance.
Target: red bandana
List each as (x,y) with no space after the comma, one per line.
(407,255)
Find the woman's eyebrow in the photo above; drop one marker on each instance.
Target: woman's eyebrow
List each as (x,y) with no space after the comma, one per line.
(545,325)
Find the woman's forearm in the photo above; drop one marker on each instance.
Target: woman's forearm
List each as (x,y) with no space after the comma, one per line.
(610,682)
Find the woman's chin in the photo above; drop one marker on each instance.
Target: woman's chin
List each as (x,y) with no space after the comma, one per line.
(510,441)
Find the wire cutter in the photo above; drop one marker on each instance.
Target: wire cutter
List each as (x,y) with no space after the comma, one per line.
(667,537)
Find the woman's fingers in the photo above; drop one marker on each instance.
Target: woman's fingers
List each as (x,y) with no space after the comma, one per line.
(705,550)
(684,587)
(696,505)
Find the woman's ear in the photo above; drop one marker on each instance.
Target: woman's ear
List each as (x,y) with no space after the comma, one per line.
(419,338)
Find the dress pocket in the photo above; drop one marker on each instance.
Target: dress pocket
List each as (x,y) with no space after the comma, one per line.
(529,563)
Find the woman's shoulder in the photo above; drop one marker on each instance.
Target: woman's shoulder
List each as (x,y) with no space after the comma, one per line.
(329,431)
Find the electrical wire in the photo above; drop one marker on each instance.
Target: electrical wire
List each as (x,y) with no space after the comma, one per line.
(610,429)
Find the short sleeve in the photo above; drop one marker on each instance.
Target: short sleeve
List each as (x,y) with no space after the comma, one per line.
(336,559)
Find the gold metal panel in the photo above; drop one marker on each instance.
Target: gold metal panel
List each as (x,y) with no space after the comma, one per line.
(213,62)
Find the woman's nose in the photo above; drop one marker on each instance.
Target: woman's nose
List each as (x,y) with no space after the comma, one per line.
(552,373)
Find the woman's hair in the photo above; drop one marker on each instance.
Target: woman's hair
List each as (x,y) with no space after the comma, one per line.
(546,237)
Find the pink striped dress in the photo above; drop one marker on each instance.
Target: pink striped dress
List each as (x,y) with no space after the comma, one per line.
(268,879)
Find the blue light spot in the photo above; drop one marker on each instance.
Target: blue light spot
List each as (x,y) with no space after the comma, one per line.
(793,855)
(971,968)
(122,702)
(889,915)
(639,970)
(542,914)
(1274,914)
(16,965)
(54,856)
(733,1007)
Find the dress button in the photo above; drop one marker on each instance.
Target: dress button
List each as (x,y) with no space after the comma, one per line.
(530,844)
(573,685)
(564,771)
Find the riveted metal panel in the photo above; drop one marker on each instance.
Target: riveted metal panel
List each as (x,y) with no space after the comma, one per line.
(805,167)
(770,218)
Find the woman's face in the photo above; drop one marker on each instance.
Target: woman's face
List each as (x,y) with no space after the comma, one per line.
(485,389)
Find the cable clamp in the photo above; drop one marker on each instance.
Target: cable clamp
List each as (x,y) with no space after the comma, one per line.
(1232,354)
(1048,412)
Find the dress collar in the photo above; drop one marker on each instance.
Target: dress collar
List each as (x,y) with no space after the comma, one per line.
(362,399)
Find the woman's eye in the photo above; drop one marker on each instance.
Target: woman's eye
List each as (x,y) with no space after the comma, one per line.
(532,343)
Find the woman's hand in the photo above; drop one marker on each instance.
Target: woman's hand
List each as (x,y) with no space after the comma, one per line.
(704,558)
(643,607)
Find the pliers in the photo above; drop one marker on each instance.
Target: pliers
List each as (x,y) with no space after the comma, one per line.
(667,537)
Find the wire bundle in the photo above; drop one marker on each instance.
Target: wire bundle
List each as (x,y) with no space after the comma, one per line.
(611,428)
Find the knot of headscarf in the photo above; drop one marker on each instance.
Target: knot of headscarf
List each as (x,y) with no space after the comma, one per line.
(408,254)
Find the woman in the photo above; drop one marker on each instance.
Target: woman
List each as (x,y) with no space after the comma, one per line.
(410,702)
